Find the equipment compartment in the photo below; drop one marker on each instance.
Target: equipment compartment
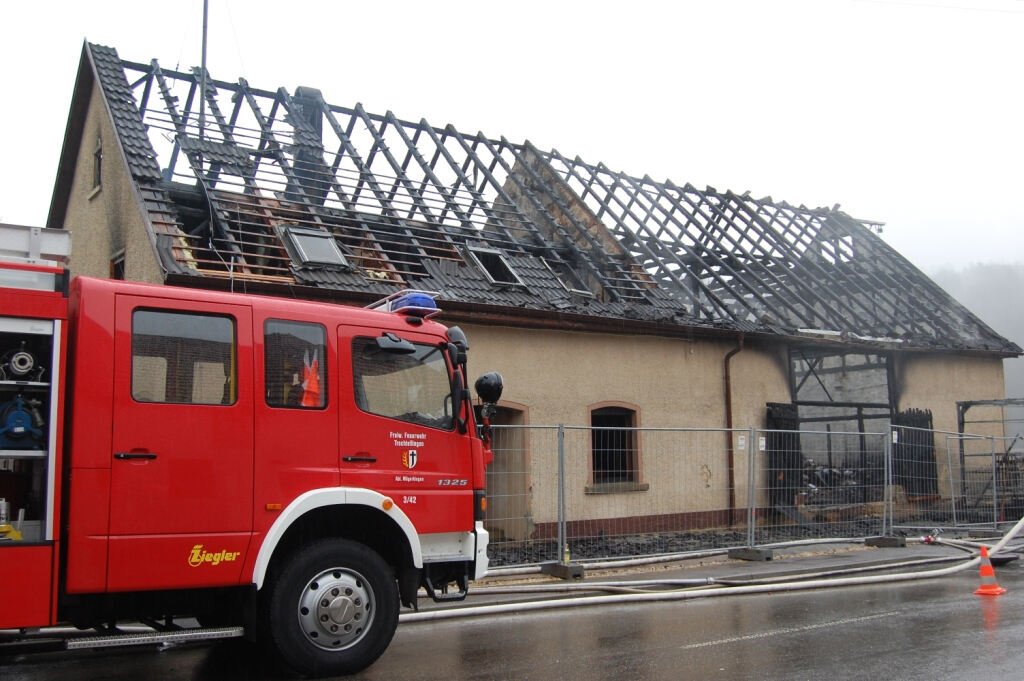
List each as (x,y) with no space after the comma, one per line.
(26,355)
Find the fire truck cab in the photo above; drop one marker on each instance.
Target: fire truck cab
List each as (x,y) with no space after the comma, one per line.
(296,469)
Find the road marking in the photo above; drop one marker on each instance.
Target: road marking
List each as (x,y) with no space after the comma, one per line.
(790,630)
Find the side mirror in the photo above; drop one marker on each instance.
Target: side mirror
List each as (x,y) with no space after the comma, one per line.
(489,387)
(457,337)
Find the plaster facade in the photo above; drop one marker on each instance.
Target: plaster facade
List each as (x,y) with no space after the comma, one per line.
(938,381)
(672,383)
(104,219)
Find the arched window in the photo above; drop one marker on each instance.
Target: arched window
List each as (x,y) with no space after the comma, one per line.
(614,451)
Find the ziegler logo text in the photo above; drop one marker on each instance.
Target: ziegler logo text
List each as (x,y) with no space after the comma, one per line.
(198,556)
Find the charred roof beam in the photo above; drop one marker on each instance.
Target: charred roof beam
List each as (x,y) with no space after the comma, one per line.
(595,245)
(588,186)
(813,271)
(795,289)
(227,133)
(739,296)
(717,235)
(627,236)
(147,80)
(268,143)
(858,272)
(178,121)
(400,178)
(473,160)
(623,232)
(487,172)
(890,274)
(257,244)
(788,298)
(403,170)
(170,102)
(366,175)
(428,175)
(477,199)
(351,203)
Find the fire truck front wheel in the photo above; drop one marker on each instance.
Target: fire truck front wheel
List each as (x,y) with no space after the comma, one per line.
(332,609)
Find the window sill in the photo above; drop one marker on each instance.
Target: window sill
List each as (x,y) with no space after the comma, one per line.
(616,487)
(95,192)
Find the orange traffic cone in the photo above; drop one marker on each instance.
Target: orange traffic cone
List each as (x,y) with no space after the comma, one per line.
(988,577)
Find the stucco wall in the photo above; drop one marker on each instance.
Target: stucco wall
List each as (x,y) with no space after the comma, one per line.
(671,383)
(679,383)
(938,381)
(107,219)
(675,382)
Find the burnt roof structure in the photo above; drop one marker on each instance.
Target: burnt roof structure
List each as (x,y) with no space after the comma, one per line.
(282,189)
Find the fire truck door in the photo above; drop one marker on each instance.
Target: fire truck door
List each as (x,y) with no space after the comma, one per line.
(400,435)
(182,459)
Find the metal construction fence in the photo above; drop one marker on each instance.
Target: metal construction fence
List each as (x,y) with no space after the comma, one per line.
(560,493)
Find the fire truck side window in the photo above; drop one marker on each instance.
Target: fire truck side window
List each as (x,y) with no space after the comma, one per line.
(183,358)
(411,387)
(296,364)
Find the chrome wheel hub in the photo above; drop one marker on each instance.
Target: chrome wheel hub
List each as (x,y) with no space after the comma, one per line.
(336,609)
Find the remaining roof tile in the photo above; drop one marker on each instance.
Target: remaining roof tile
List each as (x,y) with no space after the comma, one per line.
(127,119)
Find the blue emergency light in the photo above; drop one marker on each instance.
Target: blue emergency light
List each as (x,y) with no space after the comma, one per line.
(414,302)
(410,302)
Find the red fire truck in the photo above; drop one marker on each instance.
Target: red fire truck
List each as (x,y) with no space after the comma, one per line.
(287,470)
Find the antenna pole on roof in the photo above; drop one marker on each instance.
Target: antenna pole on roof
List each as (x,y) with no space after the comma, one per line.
(202,77)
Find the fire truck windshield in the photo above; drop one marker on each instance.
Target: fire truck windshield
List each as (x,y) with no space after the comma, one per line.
(413,387)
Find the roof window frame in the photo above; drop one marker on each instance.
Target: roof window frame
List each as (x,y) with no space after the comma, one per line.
(570,272)
(474,253)
(295,235)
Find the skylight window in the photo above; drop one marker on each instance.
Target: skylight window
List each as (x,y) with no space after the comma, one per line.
(313,247)
(568,278)
(494,266)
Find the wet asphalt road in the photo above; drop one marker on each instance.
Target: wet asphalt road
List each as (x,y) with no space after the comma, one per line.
(927,630)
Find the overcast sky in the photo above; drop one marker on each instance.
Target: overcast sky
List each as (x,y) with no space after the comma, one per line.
(908,112)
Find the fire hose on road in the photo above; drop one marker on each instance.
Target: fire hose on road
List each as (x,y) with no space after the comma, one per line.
(617,593)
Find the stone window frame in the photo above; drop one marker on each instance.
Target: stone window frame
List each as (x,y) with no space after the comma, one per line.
(97,164)
(117,265)
(633,453)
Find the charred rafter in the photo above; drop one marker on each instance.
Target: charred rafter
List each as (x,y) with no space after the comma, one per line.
(405,202)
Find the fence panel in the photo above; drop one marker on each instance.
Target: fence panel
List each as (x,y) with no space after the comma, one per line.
(926,474)
(621,492)
(813,484)
(649,491)
(977,504)
(519,492)
(953,481)
(1009,479)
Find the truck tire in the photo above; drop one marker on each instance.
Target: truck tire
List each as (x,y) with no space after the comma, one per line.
(332,608)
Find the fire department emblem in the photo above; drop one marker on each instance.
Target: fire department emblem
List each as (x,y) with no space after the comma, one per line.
(409,458)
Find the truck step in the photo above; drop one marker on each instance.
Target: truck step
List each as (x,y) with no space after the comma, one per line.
(115,640)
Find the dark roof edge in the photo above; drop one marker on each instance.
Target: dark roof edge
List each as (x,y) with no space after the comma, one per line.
(461,311)
(561,321)
(84,82)
(465,312)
